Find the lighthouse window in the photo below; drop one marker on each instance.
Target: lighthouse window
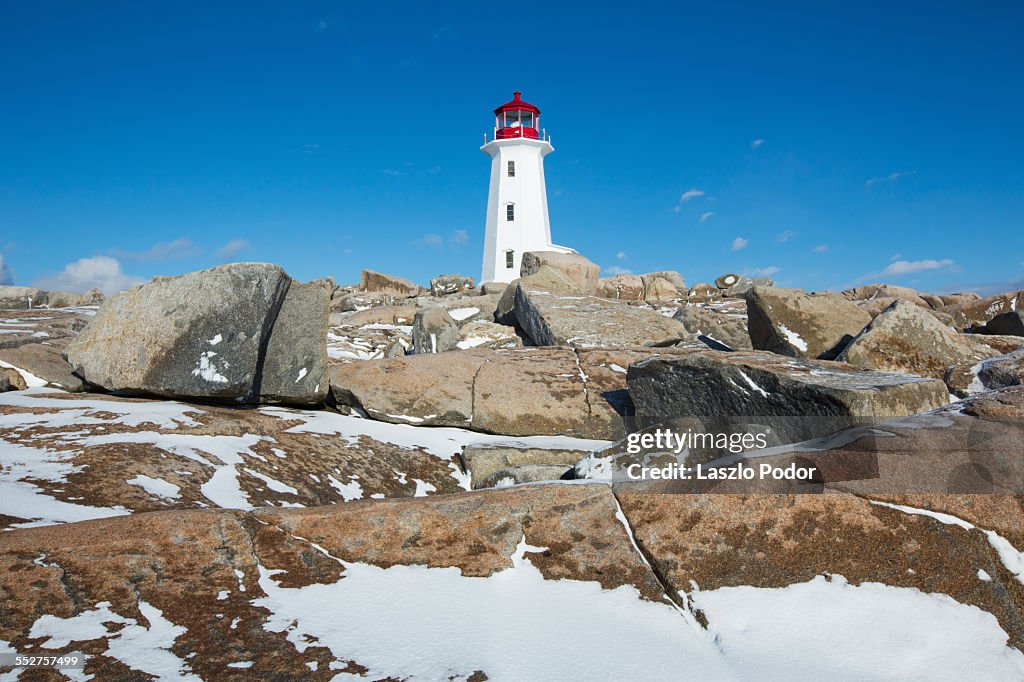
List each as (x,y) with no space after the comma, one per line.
(510,212)
(510,259)
(511,169)
(526,118)
(511,119)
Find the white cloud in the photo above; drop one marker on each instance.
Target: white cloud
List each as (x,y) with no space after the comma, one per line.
(739,243)
(616,270)
(691,194)
(676,209)
(888,178)
(322,25)
(394,173)
(6,275)
(458,237)
(763,272)
(430,239)
(455,239)
(621,255)
(233,248)
(99,272)
(756,143)
(786,235)
(821,248)
(908,267)
(896,256)
(173,250)
(706,215)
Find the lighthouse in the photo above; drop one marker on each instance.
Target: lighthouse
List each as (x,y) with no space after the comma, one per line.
(517,203)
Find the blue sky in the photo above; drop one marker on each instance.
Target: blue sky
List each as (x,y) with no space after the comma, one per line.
(830,144)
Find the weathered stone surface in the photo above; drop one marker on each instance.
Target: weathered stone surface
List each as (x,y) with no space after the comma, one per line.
(906,338)
(957,298)
(11,380)
(215,587)
(1007,324)
(526,473)
(521,392)
(584,273)
(622,288)
(466,309)
(871,292)
(294,367)
(658,289)
(434,331)
(67,299)
(740,289)
(712,383)
(545,279)
(999,372)
(21,298)
(727,280)
(487,335)
(713,541)
(789,322)
(498,288)
(40,325)
(551,319)
(391,314)
(44,360)
(704,293)
(68,457)
(204,334)
(487,464)
(714,328)
(673,277)
(444,285)
(388,284)
(975,311)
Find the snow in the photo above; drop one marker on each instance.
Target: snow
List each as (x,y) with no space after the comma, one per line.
(348,491)
(31,380)
(146,649)
(472,342)
(205,369)
(617,368)
(164,414)
(215,340)
(828,629)
(303,372)
(460,314)
(273,484)
(401,621)
(752,384)
(983,575)
(793,337)
(157,487)
(423,488)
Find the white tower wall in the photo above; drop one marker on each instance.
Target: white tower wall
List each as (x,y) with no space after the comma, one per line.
(530,229)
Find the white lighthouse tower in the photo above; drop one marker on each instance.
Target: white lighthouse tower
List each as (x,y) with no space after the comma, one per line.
(517,204)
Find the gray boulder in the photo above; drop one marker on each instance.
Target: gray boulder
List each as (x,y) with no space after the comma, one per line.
(498,288)
(969,310)
(434,331)
(791,322)
(488,465)
(21,298)
(210,334)
(544,279)
(1001,371)
(11,380)
(750,384)
(553,319)
(907,338)
(717,330)
(443,285)
(583,272)
(622,288)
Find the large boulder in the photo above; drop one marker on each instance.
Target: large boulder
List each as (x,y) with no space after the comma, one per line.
(444,285)
(11,380)
(1008,324)
(67,299)
(489,465)
(545,278)
(434,331)
(622,288)
(553,319)
(487,335)
(1001,371)
(44,360)
(583,272)
(718,330)
(520,392)
(21,298)
(372,281)
(971,311)
(41,326)
(659,290)
(907,338)
(870,292)
(244,332)
(790,322)
(749,384)
(738,285)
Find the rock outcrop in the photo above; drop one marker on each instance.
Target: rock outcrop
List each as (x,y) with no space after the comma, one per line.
(445,285)
(434,331)
(550,318)
(718,330)
(1008,324)
(1001,371)
(790,322)
(906,338)
(244,332)
(372,281)
(583,273)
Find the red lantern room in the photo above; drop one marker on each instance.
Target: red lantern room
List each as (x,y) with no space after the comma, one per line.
(516,119)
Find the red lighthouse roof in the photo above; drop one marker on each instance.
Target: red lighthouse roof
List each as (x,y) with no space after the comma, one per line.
(516,104)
